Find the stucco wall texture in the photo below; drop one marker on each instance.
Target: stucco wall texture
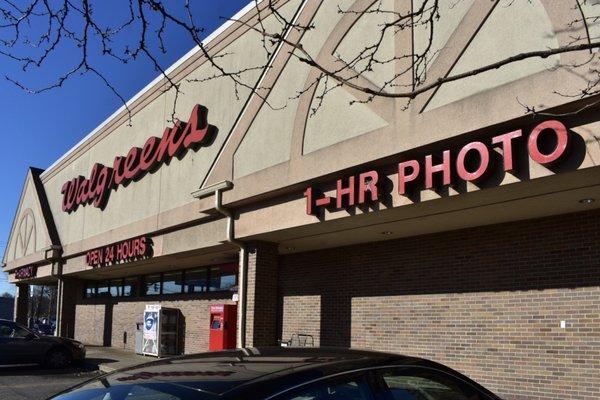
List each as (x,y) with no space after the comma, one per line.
(487,301)
(29,234)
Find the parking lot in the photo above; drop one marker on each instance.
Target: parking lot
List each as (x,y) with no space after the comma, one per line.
(37,383)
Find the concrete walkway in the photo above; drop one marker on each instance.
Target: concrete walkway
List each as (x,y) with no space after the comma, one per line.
(109,359)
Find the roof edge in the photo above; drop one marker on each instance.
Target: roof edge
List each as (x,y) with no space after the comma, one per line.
(251,5)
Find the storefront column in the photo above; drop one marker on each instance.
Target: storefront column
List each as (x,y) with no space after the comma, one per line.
(65,307)
(261,300)
(22,303)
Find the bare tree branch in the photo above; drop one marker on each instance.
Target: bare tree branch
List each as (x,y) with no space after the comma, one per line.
(33,31)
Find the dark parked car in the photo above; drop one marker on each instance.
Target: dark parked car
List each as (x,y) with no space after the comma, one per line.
(284,374)
(19,345)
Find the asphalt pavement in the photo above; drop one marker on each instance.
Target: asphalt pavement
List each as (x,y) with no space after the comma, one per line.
(37,383)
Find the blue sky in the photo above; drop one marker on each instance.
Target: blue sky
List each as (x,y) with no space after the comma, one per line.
(36,129)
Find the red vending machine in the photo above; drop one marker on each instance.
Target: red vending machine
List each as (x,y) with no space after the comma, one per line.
(223,326)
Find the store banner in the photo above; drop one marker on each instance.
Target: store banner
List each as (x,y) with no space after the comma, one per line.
(150,337)
(150,323)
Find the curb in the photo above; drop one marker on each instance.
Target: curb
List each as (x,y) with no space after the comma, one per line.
(106,369)
(90,366)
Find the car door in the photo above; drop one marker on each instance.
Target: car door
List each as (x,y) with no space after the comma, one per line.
(6,355)
(23,347)
(426,383)
(351,386)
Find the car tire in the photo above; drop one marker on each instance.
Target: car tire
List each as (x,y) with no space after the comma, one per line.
(58,358)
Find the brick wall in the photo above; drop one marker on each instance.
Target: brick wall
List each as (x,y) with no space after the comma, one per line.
(301,314)
(89,323)
(486,301)
(69,289)
(121,315)
(261,308)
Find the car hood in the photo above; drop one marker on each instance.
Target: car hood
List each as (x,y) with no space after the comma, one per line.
(59,340)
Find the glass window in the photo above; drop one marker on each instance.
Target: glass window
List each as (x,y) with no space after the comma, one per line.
(428,384)
(173,282)
(223,277)
(116,289)
(103,290)
(19,332)
(5,330)
(195,280)
(104,390)
(130,287)
(12,330)
(153,284)
(347,389)
(90,290)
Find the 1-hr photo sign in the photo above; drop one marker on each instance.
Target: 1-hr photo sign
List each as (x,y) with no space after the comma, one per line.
(546,145)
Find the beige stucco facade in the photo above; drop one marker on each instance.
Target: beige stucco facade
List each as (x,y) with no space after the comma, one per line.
(271,146)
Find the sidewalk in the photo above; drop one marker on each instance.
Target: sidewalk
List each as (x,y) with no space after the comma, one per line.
(109,359)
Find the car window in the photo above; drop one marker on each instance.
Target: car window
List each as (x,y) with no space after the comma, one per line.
(5,330)
(144,392)
(355,388)
(149,391)
(427,384)
(19,332)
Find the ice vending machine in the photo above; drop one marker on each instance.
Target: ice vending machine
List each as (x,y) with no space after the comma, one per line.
(161,331)
(223,323)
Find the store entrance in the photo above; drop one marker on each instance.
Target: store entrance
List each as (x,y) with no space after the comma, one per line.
(42,309)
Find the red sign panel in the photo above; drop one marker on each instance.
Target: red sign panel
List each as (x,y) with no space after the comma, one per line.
(216,308)
(26,272)
(125,251)
(138,161)
(471,163)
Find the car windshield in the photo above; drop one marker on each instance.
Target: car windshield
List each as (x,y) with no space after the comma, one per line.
(98,390)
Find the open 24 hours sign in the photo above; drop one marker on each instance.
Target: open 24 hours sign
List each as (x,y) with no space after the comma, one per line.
(117,253)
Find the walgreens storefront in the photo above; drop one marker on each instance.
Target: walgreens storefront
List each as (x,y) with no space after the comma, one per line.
(460,231)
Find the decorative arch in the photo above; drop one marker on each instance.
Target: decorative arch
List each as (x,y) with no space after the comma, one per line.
(33,227)
(380,106)
(405,124)
(25,240)
(559,13)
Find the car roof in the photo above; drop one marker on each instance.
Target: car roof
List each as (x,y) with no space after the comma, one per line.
(243,372)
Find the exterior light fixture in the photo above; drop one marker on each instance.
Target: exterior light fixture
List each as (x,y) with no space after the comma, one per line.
(588,200)
(386,233)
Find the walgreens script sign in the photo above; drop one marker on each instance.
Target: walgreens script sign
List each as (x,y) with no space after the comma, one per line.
(138,161)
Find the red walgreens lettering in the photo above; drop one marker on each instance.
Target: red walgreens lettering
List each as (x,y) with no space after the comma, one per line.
(155,152)
(26,272)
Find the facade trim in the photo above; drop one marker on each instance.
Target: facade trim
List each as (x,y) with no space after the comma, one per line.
(224,35)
